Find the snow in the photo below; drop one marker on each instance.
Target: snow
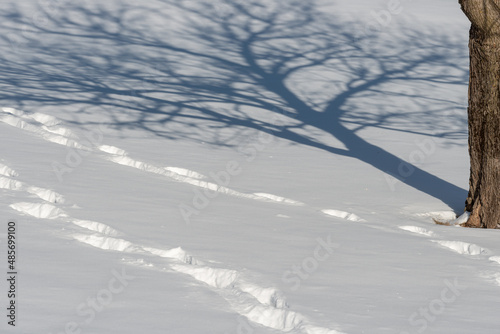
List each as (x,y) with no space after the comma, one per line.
(39,210)
(164,178)
(96,227)
(106,243)
(5,170)
(344,215)
(462,247)
(418,230)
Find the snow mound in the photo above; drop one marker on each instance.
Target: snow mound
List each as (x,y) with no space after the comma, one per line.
(8,183)
(59,130)
(186,172)
(266,296)
(16,122)
(279,199)
(57,139)
(44,119)
(112,150)
(418,230)
(127,161)
(279,319)
(96,227)
(209,186)
(174,253)
(43,131)
(495,259)
(217,278)
(179,174)
(439,215)
(46,194)
(462,219)
(344,215)
(7,171)
(460,247)
(13,111)
(106,243)
(37,210)
(497,278)
(493,277)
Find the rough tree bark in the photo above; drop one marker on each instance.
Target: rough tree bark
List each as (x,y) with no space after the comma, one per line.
(483,200)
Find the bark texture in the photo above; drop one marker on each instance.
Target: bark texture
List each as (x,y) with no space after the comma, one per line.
(483,200)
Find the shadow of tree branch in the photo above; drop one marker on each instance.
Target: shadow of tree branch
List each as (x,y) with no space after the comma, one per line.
(195,69)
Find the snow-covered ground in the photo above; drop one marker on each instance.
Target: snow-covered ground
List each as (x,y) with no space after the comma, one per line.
(239,167)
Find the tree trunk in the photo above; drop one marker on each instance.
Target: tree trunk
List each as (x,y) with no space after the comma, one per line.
(483,200)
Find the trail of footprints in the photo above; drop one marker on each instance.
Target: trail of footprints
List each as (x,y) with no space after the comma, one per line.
(463,248)
(47,127)
(265,306)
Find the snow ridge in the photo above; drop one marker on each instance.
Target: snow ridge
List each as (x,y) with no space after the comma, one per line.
(37,210)
(266,296)
(96,227)
(45,194)
(10,184)
(45,129)
(344,215)
(7,171)
(279,199)
(180,177)
(461,247)
(417,230)
(106,243)
(186,172)
(174,253)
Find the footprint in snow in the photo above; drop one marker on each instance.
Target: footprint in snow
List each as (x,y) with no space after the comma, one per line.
(344,215)
(417,230)
(461,247)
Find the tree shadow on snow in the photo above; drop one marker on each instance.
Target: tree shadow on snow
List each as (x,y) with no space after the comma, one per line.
(207,70)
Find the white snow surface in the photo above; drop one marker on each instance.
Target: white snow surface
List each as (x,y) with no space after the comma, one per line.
(264,167)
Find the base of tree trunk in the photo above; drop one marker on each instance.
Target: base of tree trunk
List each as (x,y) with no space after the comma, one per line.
(474,220)
(461,220)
